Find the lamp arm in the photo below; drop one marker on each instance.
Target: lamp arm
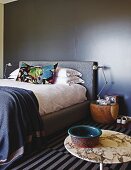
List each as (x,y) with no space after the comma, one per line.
(95,67)
(104,76)
(106,82)
(98,95)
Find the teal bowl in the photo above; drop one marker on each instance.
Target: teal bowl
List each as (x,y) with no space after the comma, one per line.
(84,136)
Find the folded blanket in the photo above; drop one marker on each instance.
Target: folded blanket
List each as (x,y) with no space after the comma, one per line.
(20,122)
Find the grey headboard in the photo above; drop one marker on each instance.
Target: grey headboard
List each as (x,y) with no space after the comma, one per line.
(86,68)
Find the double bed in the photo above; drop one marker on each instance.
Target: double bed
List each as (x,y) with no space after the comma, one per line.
(63,118)
(59,118)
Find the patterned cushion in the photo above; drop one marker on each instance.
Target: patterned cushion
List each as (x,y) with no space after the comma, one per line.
(48,73)
(23,73)
(36,74)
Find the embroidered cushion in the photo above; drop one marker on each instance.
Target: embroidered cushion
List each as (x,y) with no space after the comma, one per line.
(48,73)
(36,74)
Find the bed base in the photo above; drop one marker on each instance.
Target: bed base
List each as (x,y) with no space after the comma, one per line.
(55,121)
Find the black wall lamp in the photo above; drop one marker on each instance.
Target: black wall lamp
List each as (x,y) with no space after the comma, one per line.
(6,66)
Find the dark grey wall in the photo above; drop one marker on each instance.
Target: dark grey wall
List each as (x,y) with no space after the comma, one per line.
(74,30)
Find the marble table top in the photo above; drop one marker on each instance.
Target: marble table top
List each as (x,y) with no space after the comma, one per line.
(113,147)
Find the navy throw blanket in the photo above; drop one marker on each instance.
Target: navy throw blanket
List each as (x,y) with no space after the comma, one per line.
(20,123)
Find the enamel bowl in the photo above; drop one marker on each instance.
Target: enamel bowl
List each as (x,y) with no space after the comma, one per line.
(84,136)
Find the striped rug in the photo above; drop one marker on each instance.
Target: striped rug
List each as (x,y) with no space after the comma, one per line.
(55,157)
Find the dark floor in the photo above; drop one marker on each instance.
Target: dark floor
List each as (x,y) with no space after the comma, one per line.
(55,157)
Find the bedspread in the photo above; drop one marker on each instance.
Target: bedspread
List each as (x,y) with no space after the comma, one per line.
(51,97)
(20,122)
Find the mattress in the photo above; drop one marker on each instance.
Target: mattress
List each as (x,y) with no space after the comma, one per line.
(52,97)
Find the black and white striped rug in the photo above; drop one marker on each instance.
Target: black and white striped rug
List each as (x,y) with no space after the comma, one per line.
(56,157)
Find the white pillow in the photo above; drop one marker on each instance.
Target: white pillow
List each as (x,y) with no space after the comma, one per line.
(67,72)
(68,80)
(15,72)
(12,77)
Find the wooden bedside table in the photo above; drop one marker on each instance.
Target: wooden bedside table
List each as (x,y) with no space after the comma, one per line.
(104,113)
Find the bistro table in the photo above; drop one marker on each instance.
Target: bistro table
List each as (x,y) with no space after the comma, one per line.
(113,147)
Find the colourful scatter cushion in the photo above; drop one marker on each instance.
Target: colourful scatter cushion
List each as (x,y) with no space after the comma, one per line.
(36,74)
(48,73)
(23,73)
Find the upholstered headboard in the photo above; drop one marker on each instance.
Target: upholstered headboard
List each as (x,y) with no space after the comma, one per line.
(86,68)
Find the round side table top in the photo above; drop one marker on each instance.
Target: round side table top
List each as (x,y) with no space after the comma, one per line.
(113,147)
